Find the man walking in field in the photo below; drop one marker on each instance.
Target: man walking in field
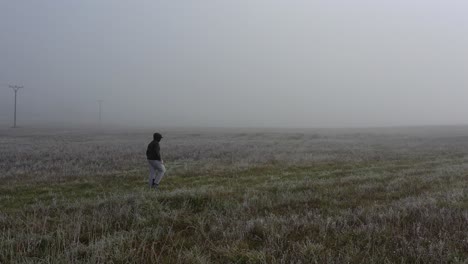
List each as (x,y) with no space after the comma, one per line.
(156,164)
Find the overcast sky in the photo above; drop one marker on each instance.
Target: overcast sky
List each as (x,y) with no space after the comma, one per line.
(236,63)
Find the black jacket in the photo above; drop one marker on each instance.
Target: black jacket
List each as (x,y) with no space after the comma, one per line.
(152,152)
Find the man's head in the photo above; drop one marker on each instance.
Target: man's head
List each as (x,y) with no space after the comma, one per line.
(157,136)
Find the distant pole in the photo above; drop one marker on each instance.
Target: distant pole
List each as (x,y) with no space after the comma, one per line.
(100,111)
(15,88)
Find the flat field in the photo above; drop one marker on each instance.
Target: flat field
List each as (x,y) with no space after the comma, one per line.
(235,196)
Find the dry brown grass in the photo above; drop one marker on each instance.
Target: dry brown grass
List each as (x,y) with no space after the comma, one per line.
(235,197)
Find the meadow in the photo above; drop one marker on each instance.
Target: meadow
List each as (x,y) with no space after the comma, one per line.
(383,195)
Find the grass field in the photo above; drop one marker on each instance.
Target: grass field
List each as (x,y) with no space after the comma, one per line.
(251,196)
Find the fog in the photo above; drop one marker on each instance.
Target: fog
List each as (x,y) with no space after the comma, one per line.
(242,63)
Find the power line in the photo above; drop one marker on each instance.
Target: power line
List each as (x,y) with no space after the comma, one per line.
(100,111)
(15,89)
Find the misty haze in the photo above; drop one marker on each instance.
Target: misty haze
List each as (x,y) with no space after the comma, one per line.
(236,63)
(247,131)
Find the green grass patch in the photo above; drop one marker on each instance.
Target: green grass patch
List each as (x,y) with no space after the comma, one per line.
(403,211)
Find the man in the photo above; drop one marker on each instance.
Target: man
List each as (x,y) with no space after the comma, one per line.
(156,164)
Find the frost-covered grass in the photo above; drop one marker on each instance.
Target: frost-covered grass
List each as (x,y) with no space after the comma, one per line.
(247,196)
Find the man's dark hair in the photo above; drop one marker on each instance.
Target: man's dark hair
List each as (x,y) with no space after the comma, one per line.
(157,136)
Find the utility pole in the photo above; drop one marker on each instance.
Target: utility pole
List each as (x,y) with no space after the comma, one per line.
(15,88)
(100,111)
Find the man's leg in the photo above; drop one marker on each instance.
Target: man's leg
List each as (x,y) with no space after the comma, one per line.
(161,169)
(152,174)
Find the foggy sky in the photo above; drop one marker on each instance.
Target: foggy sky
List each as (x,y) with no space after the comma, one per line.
(236,63)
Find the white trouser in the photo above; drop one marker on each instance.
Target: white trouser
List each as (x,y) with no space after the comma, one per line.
(157,171)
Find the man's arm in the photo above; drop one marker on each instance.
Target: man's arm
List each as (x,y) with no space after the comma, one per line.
(157,151)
